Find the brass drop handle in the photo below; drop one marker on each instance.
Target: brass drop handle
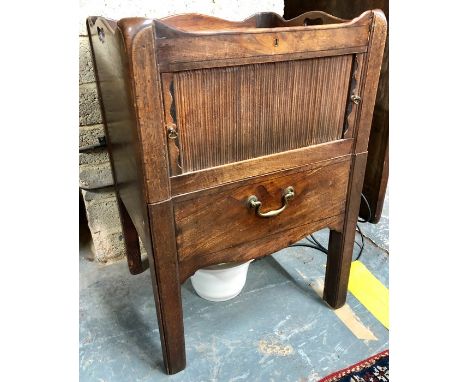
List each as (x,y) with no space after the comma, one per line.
(253,202)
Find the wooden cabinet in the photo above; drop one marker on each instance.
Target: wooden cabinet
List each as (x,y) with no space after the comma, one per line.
(377,169)
(232,140)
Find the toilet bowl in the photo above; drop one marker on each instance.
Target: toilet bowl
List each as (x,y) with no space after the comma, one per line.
(220,282)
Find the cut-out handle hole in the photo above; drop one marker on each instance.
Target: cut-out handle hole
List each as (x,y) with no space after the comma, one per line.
(101,34)
(317,21)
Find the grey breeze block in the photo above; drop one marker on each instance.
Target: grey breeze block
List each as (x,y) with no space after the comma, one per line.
(95,175)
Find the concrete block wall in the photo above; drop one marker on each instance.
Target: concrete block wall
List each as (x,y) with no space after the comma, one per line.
(95,175)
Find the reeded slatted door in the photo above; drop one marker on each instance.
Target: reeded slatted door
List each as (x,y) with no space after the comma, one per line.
(230,114)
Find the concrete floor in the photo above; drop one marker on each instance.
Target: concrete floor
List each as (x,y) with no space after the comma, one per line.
(277,329)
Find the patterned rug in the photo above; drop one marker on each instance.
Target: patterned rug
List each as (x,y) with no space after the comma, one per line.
(373,369)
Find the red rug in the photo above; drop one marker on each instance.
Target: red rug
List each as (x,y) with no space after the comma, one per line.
(372,369)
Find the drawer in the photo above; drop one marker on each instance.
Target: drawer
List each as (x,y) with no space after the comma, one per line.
(221,218)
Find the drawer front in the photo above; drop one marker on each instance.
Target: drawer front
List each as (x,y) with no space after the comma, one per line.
(222,218)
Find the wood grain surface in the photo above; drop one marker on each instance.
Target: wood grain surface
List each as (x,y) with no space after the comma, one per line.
(164,268)
(202,113)
(195,46)
(227,115)
(222,219)
(192,182)
(341,241)
(257,248)
(375,180)
(114,82)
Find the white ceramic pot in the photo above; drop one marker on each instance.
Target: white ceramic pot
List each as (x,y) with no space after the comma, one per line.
(220,282)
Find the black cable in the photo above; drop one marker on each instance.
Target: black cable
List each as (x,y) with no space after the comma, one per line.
(362,242)
(315,244)
(309,246)
(368,209)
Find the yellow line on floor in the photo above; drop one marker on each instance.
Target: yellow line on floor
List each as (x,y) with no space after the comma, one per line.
(347,317)
(345,314)
(369,291)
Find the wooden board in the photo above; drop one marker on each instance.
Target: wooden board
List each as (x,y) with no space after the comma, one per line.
(197,47)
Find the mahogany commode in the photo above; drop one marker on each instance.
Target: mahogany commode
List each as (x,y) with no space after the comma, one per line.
(231,140)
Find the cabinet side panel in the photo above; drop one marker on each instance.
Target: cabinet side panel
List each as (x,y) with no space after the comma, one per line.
(111,66)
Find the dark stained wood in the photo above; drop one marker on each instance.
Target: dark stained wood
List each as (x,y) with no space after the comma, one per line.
(164,266)
(255,249)
(377,170)
(194,22)
(221,63)
(351,114)
(234,46)
(198,22)
(341,243)
(174,26)
(375,181)
(227,115)
(170,121)
(140,44)
(132,244)
(222,219)
(225,46)
(376,178)
(270,20)
(256,179)
(253,107)
(373,60)
(235,172)
(338,8)
(120,121)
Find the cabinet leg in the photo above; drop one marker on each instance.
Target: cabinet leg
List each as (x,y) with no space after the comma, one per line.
(132,244)
(166,286)
(340,251)
(340,244)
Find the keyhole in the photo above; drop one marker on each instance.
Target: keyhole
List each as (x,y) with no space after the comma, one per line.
(276,42)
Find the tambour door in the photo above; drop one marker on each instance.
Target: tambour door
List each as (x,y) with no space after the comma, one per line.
(217,116)
(233,91)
